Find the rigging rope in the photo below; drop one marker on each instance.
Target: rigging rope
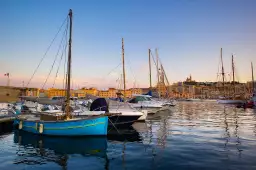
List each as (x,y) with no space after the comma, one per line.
(236,72)
(161,67)
(46,51)
(112,70)
(131,70)
(152,56)
(63,53)
(54,59)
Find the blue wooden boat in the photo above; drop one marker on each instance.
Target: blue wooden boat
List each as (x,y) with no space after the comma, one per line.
(72,127)
(63,124)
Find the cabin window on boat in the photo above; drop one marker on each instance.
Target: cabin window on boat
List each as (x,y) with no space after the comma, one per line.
(142,98)
(133,100)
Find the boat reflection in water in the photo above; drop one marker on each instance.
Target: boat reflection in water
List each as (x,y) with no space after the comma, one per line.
(38,150)
(124,135)
(35,149)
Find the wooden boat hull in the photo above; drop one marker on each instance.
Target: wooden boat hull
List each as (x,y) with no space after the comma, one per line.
(74,127)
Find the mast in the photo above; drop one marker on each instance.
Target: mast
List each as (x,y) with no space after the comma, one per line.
(233,73)
(164,77)
(123,64)
(69,66)
(253,85)
(157,71)
(168,84)
(222,72)
(149,63)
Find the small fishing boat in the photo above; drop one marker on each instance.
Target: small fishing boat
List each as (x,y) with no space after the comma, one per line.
(120,114)
(63,123)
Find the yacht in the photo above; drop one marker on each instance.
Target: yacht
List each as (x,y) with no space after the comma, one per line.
(146,103)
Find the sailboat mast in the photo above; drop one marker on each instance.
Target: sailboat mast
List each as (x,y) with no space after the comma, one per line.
(149,63)
(233,73)
(157,72)
(123,65)
(233,70)
(157,67)
(222,72)
(253,85)
(69,65)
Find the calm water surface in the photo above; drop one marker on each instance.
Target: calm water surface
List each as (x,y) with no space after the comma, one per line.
(195,135)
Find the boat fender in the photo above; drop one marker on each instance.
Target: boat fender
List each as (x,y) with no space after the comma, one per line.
(41,128)
(20,125)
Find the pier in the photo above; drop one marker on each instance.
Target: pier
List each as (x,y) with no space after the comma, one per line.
(6,123)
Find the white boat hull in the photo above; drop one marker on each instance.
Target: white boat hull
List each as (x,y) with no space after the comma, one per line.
(230,101)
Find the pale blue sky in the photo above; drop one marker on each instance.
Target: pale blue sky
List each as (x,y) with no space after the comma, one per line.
(187,33)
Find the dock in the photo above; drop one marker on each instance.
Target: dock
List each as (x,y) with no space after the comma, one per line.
(6,123)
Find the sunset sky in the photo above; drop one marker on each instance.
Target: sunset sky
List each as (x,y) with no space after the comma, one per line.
(187,33)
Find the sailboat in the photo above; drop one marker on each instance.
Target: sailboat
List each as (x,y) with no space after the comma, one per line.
(252,102)
(253,88)
(145,102)
(63,123)
(229,99)
(120,114)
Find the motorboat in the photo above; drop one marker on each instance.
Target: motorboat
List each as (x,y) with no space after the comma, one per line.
(146,103)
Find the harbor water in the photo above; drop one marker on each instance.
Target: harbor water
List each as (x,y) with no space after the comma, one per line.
(193,135)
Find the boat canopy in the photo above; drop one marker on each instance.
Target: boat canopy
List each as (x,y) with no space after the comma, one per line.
(149,93)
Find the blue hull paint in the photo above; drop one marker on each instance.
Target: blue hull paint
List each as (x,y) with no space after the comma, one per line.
(81,127)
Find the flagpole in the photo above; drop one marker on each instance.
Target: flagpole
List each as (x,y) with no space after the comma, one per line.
(8,79)
(8,83)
